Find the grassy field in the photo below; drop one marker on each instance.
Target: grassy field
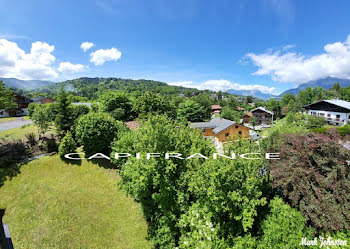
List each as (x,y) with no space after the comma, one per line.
(20,132)
(4,120)
(53,204)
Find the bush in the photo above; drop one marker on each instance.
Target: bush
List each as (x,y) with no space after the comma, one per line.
(31,139)
(51,146)
(96,131)
(31,108)
(283,228)
(67,145)
(313,175)
(314,122)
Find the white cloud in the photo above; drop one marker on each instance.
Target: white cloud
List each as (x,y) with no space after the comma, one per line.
(223,85)
(15,62)
(297,68)
(85,46)
(67,67)
(99,57)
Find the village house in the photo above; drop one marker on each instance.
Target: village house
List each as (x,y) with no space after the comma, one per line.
(263,116)
(43,100)
(335,111)
(216,109)
(21,109)
(220,130)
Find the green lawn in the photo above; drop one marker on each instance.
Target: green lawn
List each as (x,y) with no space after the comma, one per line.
(52,204)
(4,120)
(20,132)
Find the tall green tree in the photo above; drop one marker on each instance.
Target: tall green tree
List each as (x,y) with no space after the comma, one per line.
(191,111)
(6,97)
(118,105)
(63,120)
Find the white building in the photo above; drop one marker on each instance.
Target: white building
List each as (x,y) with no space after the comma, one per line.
(335,111)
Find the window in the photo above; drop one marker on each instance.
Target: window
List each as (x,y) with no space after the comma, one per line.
(240,133)
(227,134)
(1,112)
(322,114)
(338,116)
(329,115)
(236,126)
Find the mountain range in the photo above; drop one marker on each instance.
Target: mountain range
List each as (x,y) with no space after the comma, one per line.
(25,84)
(325,83)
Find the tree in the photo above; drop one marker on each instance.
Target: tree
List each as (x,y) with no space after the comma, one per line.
(96,131)
(63,120)
(118,105)
(283,228)
(191,111)
(230,114)
(6,97)
(253,121)
(67,145)
(31,108)
(151,103)
(41,119)
(313,176)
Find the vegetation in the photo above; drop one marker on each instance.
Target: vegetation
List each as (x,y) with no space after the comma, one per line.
(53,204)
(96,131)
(6,97)
(67,145)
(118,105)
(313,175)
(63,120)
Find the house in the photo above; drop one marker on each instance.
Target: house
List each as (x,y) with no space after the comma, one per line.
(43,100)
(216,109)
(246,117)
(335,111)
(220,130)
(241,109)
(262,115)
(21,109)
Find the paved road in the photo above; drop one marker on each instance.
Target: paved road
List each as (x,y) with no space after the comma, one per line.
(18,122)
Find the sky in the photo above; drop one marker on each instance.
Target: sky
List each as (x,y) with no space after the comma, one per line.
(266,45)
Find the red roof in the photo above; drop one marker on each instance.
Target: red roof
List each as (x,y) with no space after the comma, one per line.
(216,107)
(133,125)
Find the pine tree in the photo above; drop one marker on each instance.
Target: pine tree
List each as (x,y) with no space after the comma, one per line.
(63,120)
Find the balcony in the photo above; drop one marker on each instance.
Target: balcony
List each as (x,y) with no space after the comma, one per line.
(338,120)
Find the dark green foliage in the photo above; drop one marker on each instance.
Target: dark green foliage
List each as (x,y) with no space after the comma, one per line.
(63,120)
(313,175)
(31,108)
(41,118)
(6,97)
(96,131)
(230,114)
(160,185)
(118,105)
(191,111)
(283,228)
(152,103)
(314,122)
(67,145)
(51,145)
(79,110)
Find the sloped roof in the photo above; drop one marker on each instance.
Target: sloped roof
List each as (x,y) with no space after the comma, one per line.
(216,107)
(262,109)
(218,124)
(337,102)
(133,125)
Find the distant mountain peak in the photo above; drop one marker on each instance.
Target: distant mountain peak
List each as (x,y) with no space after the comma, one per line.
(325,83)
(254,93)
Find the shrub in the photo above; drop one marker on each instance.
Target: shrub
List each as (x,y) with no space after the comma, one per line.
(79,110)
(96,131)
(314,122)
(283,228)
(51,145)
(313,175)
(41,118)
(118,105)
(67,145)
(31,108)
(31,139)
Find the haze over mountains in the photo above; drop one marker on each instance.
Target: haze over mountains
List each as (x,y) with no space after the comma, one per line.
(325,83)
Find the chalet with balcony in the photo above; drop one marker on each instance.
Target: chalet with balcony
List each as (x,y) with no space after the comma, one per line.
(221,130)
(263,116)
(216,109)
(335,111)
